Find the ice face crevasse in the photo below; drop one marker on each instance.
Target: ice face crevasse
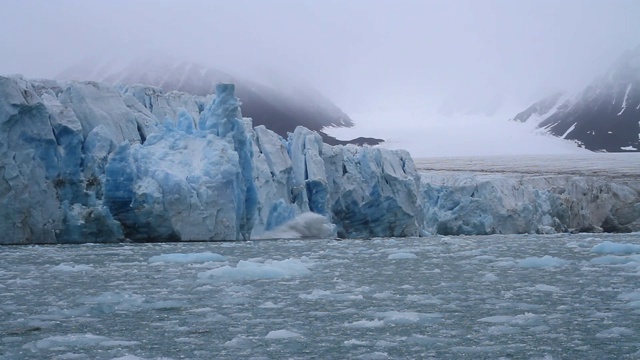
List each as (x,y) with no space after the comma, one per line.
(372,192)
(187,183)
(44,195)
(309,183)
(223,118)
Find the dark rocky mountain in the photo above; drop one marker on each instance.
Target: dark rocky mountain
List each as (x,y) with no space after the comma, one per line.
(279,108)
(605,116)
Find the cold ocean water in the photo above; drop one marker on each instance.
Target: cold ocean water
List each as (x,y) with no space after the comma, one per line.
(487,297)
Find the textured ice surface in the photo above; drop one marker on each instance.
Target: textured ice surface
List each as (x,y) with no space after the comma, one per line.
(461,297)
(249,270)
(282,334)
(542,262)
(88,162)
(545,195)
(186,258)
(402,255)
(608,165)
(609,247)
(71,267)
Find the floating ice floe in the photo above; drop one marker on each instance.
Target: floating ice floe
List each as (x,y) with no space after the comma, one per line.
(282,334)
(77,340)
(365,324)
(66,267)
(187,258)
(608,247)
(248,270)
(542,262)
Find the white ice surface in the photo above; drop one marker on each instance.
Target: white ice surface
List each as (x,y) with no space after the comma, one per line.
(187,258)
(282,334)
(587,164)
(608,247)
(249,270)
(66,267)
(429,134)
(541,262)
(402,255)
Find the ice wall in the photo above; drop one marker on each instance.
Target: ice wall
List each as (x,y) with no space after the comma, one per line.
(468,204)
(44,194)
(87,162)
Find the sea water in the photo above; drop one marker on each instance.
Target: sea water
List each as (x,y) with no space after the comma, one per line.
(569,296)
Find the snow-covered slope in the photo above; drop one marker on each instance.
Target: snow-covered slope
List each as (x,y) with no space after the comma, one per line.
(605,116)
(431,134)
(279,105)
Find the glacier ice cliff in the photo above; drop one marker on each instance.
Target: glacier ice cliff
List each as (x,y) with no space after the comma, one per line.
(479,204)
(88,162)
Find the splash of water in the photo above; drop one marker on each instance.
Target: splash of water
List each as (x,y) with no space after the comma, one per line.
(304,226)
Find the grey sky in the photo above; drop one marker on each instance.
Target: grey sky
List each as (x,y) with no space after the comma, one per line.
(361,53)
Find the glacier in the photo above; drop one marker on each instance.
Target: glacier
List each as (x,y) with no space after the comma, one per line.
(90,162)
(482,204)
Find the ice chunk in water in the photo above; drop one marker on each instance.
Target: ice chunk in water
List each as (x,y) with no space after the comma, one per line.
(402,255)
(615,332)
(543,262)
(72,340)
(187,258)
(248,270)
(282,334)
(67,267)
(365,324)
(609,247)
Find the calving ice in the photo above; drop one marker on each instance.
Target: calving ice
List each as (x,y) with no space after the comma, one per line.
(87,162)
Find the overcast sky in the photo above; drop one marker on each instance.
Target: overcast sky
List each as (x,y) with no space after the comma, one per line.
(363,54)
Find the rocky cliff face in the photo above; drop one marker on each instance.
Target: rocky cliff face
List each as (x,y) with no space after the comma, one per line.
(605,116)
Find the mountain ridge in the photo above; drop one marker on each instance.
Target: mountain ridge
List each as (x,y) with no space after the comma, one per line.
(604,116)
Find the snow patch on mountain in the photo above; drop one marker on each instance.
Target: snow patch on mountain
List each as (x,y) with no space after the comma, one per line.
(428,134)
(624,102)
(599,117)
